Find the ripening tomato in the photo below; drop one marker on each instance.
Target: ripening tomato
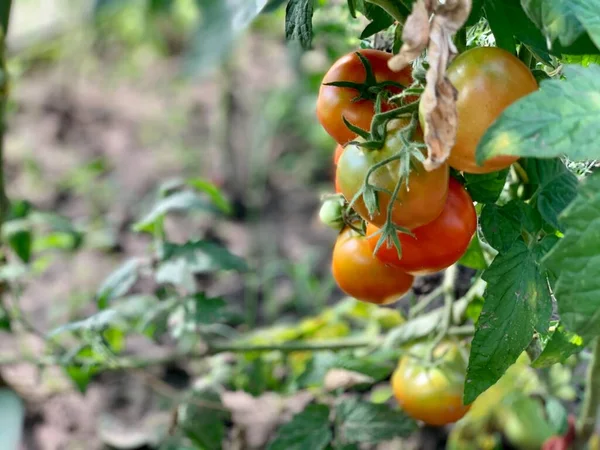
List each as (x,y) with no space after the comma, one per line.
(488,80)
(359,274)
(334,102)
(431,393)
(418,202)
(438,244)
(339,149)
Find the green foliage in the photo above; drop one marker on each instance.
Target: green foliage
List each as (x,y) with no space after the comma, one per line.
(575,261)
(517,301)
(566,113)
(559,346)
(358,421)
(485,188)
(298,21)
(474,257)
(307,430)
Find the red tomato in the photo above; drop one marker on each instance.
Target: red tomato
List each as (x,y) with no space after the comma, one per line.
(488,80)
(335,102)
(359,274)
(419,203)
(438,244)
(431,393)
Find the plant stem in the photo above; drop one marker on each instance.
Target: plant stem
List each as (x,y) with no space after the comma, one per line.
(4,16)
(426,301)
(449,297)
(591,398)
(391,8)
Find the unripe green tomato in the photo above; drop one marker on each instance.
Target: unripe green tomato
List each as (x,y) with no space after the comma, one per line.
(330,213)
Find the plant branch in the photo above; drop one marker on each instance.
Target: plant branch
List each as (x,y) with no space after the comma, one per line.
(449,298)
(591,398)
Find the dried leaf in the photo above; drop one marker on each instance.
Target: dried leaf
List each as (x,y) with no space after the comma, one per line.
(344,379)
(415,36)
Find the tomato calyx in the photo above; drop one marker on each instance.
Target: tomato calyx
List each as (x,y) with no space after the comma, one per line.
(370,89)
(335,214)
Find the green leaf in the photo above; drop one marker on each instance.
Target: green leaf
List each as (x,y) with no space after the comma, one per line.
(213,192)
(12,417)
(473,257)
(308,430)
(207,310)
(560,118)
(485,188)
(203,418)
(559,347)
(517,300)
(4,319)
(565,20)
(558,416)
(118,283)
(575,260)
(555,185)
(80,375)
(177,202)
(298,21)
(96,322)
(364,422)
(501,225)
(380,20)
(221,23)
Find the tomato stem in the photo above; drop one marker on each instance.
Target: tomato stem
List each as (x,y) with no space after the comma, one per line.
(449,297)
(591,398)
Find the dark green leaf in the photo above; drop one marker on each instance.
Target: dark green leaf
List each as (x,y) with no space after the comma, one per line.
(308,430)
(4,319)
(380,20)
(474,257)
(12,417)
(555,187)
(559,347)
(359,421)
(118,283)
(501,225)
(203,418)
(20,242)
(476,12)
(517,299)
(575,260)
(298,21)
(207,310)
(560,118)
(485,188)
(178,202)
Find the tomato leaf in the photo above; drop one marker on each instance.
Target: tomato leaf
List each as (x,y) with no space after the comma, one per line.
(298,21)
(555,187)
(307,430)
(203,423)
(501,225)
(575,260)
(517,300)
(207,310)
(565,20)
(560,118)
(487,187)
(473,257)
(380,20)
(364,422)
(118,282)
(560,345)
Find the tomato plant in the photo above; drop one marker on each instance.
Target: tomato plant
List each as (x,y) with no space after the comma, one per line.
(356,104)
(361,275)
(436,245)
(488,80)
(431,391)
(422,193)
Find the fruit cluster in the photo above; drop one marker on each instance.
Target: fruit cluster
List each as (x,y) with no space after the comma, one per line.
(411,221)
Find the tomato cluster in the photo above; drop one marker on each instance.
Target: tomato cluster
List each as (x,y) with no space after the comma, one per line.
(427,215)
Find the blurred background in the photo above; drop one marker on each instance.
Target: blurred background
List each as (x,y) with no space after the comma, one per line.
(112,101)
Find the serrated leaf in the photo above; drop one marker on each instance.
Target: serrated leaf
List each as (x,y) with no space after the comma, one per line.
(517,300)
(473,257)
(203,418)
(555,187)
(560,118)
(308,430)
(118,282)
(298,21)
(485,188)
(501,225)
(559,347)
(358,421)
(12,416)
(575,260)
